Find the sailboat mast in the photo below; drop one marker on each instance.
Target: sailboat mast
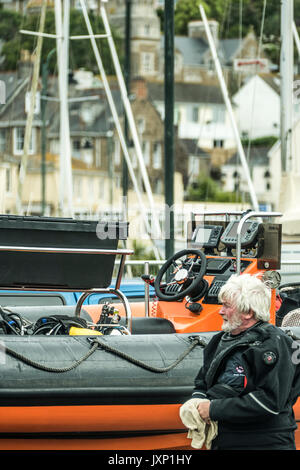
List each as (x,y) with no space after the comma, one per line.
(169,126)
(286,84)
(65,183)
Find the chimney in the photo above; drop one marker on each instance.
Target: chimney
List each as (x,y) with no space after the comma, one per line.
(25,64)
(139,88)
(196,29)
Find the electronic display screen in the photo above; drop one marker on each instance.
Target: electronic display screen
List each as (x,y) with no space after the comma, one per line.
(249,233)
(233,230)
(202,235)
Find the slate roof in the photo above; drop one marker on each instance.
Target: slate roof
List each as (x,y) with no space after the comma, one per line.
(13,111)
(192,148)
(187,93)
(193,50)
(228,49)
(14,87)
(257,156)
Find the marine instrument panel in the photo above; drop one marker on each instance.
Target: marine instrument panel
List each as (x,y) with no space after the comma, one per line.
(259,244)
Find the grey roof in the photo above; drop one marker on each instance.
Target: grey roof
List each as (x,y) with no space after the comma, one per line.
(193,50)
(11,80)
(187,93)
(13,87)
(258,156)
(101,122)
(14,109)
(229,48)
(192,148)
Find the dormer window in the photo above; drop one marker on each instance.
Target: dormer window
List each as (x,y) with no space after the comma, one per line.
(147,29)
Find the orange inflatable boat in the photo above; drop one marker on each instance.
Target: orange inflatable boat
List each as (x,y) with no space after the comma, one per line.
(108,376)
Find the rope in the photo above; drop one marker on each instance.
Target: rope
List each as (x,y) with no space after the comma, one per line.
(196,341)
(37,365)
(95,344)
(292,335)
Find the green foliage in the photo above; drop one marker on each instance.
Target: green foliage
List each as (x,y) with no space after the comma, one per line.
(234,21)
(10,23)
(261,142)
(81,52)
(206,189)
(185,11)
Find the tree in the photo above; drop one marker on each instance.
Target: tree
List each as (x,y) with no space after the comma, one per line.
(207,189)
(81,53)
(234,20)
(185,11)
(10,23)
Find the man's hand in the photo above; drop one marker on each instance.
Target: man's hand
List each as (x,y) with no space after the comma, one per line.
(203,409)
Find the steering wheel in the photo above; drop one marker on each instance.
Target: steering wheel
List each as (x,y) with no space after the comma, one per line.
(186,276)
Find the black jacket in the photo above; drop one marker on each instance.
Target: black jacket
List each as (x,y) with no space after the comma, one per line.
(252,414)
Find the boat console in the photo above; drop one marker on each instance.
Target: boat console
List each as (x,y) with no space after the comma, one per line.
(224,245)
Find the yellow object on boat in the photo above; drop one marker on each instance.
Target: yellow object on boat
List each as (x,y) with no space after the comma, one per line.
(83,331)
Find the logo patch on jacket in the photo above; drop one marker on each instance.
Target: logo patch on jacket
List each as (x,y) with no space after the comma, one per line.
(240,369)
(269,357)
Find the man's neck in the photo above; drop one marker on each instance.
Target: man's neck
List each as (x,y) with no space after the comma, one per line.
(245,326)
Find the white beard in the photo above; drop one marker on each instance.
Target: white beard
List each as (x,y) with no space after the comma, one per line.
(230,325)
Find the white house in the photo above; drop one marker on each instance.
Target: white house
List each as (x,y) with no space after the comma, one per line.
(257,107)
(287,186)
(200,113)
(234,179)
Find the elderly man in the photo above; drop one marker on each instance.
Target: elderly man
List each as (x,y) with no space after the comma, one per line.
(248,376)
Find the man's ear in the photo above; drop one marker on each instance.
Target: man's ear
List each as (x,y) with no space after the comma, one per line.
(249,315)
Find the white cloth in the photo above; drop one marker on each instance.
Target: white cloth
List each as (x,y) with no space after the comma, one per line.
(199,431)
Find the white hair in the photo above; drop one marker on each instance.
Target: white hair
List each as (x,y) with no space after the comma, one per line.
(247,293)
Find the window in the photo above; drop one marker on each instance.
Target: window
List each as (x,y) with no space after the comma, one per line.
(8,180)
(76,148)
(147,62)
(141,125)
(157,155)
(19,134)
(2,140)
(158,186)
(117,181)
(78,187)
(146,152)
(218,143)
(195,114)
(54,146)
(117,152)
(147,29)
(101,187)
(98,152)
(218,114)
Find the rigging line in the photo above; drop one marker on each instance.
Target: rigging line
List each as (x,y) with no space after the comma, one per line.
(240,38)
(12,106)
(224,17)
(255,82)
(228,17)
